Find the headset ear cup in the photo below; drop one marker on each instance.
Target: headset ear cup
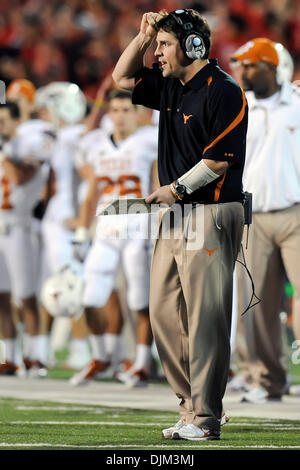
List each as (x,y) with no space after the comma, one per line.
(187,47)
(194,47)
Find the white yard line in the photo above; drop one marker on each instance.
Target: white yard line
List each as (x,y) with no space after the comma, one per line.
(279,426)
(95,410)
(85,423)
(166,417)
(265,425)
(59,408)
(150,446)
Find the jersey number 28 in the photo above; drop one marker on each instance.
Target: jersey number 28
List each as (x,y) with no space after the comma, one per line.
(127,184)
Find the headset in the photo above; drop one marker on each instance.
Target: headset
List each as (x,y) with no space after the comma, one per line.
(193,44)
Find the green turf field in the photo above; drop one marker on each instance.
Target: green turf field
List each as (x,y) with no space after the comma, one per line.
(47,425)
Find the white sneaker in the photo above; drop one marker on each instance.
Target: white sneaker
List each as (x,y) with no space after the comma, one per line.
(190,432)
(168,432)
(37,371)
(93,370)
(77,360)
(224,419)
(259,396)
(133,378)
(294,390)
(238,384)
(124,366)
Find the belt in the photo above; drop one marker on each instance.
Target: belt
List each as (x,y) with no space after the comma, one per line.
(195,203)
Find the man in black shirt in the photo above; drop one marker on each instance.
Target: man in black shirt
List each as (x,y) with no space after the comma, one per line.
(203,124)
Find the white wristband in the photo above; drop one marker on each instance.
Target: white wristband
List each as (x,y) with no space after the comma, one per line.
(197,177)
(82,235)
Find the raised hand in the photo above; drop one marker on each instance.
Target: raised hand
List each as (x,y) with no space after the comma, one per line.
(148,22)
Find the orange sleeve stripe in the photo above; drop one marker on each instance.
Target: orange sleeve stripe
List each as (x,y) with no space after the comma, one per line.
(231,126)
(218,188)
(139,81)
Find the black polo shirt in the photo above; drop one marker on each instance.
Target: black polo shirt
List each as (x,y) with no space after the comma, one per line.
(205,118)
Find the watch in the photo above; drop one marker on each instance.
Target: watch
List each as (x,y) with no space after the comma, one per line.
(180,189)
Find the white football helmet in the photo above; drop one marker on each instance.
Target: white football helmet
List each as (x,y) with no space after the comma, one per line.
(64,100)
(285,68)
(62,293)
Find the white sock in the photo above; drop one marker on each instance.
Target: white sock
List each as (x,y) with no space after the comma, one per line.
(79,345)
(34,348)
(42,348)
(114,348)
(26,345)
(111,342)
(80,353)
(98,347)
(9,349)
(19,344)
(143,357)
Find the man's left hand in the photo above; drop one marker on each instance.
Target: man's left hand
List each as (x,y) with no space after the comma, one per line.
(162,195)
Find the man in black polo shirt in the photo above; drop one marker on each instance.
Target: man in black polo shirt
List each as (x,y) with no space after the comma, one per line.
(203,124)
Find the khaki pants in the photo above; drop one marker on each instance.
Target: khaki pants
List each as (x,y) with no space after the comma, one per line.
(274,245)
(190,309)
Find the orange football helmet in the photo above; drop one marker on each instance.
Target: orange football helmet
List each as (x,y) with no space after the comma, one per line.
(21,86)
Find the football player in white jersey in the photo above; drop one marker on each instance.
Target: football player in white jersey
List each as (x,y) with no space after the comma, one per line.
(65,105)
(58,222)
(122,165)
(62,206)
(23,174)
(32,125)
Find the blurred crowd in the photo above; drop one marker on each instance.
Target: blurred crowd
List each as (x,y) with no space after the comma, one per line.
(80,40)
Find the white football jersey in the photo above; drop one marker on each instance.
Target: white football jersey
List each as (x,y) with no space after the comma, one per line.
(37,139)
(123,169)
(33,143)
(63,204)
